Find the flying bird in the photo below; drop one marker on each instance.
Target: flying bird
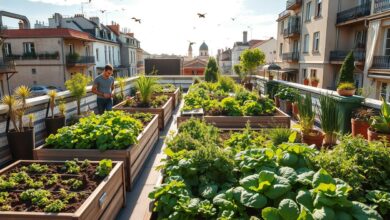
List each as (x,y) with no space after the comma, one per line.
(191,43)
(136,20)
(233,19)
(202,15)
(102,11)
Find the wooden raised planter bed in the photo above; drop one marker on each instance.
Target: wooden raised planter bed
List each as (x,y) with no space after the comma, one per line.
(133,157)
(175,96)
(164,113)
(103,203)
(278,120)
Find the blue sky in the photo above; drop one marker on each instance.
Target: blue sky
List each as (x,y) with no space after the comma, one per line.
(167,25)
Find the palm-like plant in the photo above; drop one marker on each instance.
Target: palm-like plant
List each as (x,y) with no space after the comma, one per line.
(121,83)
(306,114)
(52,95)
(146,87)
(11,102)
(329,117)
(22,93)
(381,123)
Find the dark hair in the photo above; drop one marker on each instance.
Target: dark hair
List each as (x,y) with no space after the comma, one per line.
(108,67)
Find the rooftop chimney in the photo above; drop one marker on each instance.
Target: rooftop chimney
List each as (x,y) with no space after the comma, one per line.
(21,24)
(245,37)
(95,20)
(115,28)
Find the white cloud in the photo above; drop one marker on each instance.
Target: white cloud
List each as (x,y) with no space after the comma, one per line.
(168,25)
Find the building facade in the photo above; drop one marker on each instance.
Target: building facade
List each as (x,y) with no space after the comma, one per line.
(224,59)
(268,47)
(196,65)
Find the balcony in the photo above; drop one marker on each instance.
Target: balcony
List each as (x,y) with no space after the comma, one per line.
(7,65)
(339,55)
(293,29)
(381,62)
(293,4)
(291,57)
(35,56)
(75,60)
(381,6)
(283,14)
(354,13)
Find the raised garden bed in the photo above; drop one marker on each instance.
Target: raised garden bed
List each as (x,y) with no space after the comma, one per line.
(55,190)
(133,157)
(278,120)
(176,97)
(164,112)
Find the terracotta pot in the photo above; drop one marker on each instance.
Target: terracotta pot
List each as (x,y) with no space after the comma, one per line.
(277,101)
(306,82)
(314,83)
(295,110)
(375,136)
(22,144)
(313,137)
(271,77)
(53,124)
(286,106)
(346,92)
(330,139)
(359,127)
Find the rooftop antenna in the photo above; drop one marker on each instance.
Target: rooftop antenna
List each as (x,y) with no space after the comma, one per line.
(82,6)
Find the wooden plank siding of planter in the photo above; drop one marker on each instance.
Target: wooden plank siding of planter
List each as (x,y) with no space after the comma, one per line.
(133,157)
(104,202)
(175,96)
(164,113)
(278,120)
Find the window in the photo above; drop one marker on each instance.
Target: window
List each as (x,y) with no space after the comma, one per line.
(282,27)
(304,73)
(308,11)
(313,73)
(29,48)
(360,39)
(387,43)
(385,91)
(306,43)
(105,54)
(97,54)
(34,71)
(71,48)
(281,49)
(316,42)
(7,49)
(318,8)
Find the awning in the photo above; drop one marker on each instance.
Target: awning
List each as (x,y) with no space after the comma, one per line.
(271,67)
(288,71)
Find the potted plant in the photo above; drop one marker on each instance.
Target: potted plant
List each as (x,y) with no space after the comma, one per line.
(306,122)
(286,96)
(21,139)
(329,116)
(360,121)
(119,97)
(250,59)
(314,81)
(346,89)
(77,85)
(54,122)
(380,125)
(306,81)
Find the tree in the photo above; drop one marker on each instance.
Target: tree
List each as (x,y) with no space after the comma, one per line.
(240,72)
(211,73)
(77,85)
(347,69)
(251,59)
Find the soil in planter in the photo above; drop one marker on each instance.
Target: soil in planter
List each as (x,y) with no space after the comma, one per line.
(156,102)
(74,187)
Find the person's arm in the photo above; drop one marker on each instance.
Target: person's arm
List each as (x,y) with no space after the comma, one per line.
(113,89)
(95,91)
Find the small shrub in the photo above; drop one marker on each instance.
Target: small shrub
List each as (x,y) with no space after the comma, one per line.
(252,108)
(226,83)
(231,107)
(279,135)
(346,86)
(104,168)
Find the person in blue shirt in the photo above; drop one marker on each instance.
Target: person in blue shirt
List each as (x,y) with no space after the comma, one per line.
(103,87)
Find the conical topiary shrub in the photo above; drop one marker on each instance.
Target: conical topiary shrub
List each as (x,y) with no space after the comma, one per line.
(211,73)
(346,71)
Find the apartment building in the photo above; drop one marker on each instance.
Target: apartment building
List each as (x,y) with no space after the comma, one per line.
(377,64)
(240,46)
(224,59)
(268,47)
(47,56)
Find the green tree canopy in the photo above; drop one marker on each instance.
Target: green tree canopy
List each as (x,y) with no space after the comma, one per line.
(211,73)
(77,85)
(250,59)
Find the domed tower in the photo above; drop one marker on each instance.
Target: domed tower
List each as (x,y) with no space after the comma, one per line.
(204,50)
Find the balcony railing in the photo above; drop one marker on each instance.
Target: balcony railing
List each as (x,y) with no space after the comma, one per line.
(294,28)
(293,4)
(381,62)
(339,55)
(284,13)
(7,65)
(34,56)
(381,6)
(354,13)
(291,57)
(73,60)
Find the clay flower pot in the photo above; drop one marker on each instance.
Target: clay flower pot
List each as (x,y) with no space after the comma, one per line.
(295,110)
(359,127)
(375,136)
(313,137)
(314,83)
(346,92)
(306,82)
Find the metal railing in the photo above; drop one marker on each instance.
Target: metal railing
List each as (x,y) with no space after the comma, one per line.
(7,65)
(381,6)
(340,55)
(354,13)
(284,13)
(290,4)
(381,62)
(71,60)
(34,56)
(290,57)
(293,27)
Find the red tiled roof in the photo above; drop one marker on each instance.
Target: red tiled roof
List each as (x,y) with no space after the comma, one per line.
(253,42)
(47,33)
(261,42)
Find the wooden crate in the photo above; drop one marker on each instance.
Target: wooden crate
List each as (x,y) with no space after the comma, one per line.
(133,157)
(104,202)
(176,96)
(278,120)
(164,113)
